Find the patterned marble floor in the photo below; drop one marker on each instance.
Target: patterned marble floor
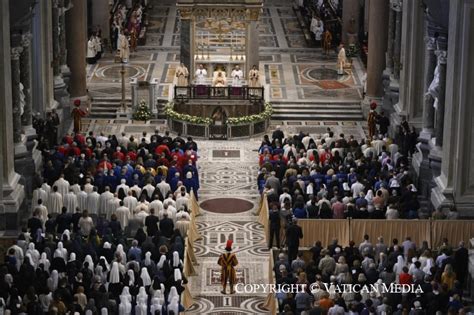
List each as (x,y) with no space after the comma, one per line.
(295,72)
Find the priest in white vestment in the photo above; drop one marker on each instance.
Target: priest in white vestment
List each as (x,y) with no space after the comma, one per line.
(123,215)
(70,201)
(82,200)
(62,184)
(200,75)
(341,60)
(104,198)
(130,202)
(55,201)
(39,193)
(112,205)
(93,202)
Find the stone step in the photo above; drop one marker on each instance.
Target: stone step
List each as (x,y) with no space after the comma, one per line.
(317,116)
(315,106)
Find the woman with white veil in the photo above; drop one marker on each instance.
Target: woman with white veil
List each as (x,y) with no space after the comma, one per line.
(60,252)
(174,305)
(177,263)
(35,254)
(88,259)
(173,293)
(155,305)
(125,306)
(45,261)
(398,267)
(53,281)
(121,252)
(146,280)
(142,302)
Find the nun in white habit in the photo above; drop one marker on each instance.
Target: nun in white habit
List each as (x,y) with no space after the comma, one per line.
(60,252)
(45,261)
(88,259)
(146,280)
(125,307)
(142,302)
(122,253)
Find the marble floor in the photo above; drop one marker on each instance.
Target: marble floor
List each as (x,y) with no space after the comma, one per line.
(228,169)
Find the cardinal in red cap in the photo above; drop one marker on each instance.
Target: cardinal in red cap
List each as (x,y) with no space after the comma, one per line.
(228,261)
(77,113)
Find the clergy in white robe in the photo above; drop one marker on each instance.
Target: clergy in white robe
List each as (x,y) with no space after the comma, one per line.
(141,215)
(75,188)
(182,223)
(88,187)
(104,198)
(130,202)
(149,189)
(62,184)
(43,211)
(164,187)
(341,60)
(136,189)
(142,206)
(39,193)
(124,186)
(201,75)
(157,205)
(237,76)
(182,202)
(46,188)
(93,202)
(111,207)
(82,200)
(55,201)
(123,215)
(70,201)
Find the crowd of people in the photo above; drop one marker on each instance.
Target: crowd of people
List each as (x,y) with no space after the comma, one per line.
(336,177)
(108,228)
(338,280)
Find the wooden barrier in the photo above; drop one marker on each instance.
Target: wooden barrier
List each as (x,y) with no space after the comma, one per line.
(324,231)
(263,216)
(417,230)
(188,268)
(271,303)
(345,230)
(454,230)
(195,209)
(186,298)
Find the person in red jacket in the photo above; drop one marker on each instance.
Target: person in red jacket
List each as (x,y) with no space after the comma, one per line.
(405,277)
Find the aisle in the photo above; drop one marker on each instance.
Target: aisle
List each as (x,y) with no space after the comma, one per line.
(228,170)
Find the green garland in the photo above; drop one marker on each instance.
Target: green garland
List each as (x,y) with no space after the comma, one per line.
(266,114)
(142,112)
(170,112)
(353,51)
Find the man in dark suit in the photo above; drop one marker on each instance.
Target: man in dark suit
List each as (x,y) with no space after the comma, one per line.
(34,223)
(293,235)
(166,226)
(151,223)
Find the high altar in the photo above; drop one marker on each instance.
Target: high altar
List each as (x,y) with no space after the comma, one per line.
(219,34)
(218,38)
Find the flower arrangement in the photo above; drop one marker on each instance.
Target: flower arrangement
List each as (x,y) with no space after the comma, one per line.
(266,114)
(170,112)
(142,111)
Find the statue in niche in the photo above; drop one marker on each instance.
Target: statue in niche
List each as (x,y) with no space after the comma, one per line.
(433,89)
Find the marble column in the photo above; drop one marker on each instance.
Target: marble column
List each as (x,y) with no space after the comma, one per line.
(350,21)
(391,29)
(16,101)
(441,54)
(251,41)
(186,41)
(430,64)
(55,30)
(12,192)
(62,42)
(76,47)
(397,43)
(378,32)
(25,78)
